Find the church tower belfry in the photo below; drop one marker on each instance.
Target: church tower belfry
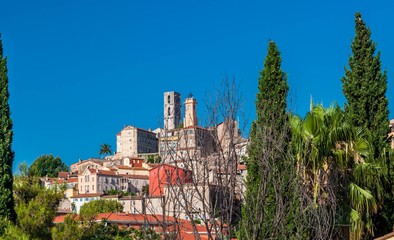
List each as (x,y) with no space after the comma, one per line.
(190,119)
(172,110)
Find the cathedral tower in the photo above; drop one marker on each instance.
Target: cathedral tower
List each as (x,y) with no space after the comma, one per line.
(190,112)
(172,110)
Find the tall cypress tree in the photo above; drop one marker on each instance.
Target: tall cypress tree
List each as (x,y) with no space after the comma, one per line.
(364,86)
(6,154)
(266,213)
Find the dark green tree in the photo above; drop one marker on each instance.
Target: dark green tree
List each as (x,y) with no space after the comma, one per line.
(365,86)
(47,165)
(6,153)
(269,206)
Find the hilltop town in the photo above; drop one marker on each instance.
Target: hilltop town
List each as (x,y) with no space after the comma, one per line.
(182,170)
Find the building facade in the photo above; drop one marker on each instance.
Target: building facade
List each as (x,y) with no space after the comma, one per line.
(131,141)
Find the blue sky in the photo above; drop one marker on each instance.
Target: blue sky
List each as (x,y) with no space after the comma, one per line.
(80,70)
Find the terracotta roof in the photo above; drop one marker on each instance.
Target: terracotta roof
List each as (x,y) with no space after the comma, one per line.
(87,195)
(106,172)
(241,167)
(139,168)
(63,175)
(110,196)
(168,165)
(153,164)
(70,180)
(123,167)
(93,160)
(134,176)
(184,227)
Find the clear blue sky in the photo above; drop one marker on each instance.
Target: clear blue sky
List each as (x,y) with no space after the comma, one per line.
(80,70)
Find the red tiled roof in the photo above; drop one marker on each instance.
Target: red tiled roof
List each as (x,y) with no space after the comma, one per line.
(70,180)
(106,172)
(123,167)
(241,167)
(110,196)
(87,195)
(168,165)
(134,176)
(139,168)
(62,175)
(137,220)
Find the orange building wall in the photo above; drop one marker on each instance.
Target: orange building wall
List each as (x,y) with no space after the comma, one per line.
(163,174)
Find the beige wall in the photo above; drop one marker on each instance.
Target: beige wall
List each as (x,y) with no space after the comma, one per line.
(131,141)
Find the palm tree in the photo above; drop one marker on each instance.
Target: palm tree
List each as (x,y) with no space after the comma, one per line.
(333,156)
(105,149)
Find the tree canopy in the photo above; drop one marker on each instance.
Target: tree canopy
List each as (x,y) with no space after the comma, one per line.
(47,165)
(91,209)
(105,149)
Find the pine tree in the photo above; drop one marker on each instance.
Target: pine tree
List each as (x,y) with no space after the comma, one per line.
(6,154)
(266,213)
(364,86)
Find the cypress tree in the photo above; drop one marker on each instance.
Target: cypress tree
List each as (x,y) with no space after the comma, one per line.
(266,210)
(6,154)
(364,86)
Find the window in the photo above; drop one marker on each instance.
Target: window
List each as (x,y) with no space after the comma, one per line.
(168,98)
(92,187)
(169,111)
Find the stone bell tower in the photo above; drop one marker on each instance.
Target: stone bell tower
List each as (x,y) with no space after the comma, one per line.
(172,110)
(190,119)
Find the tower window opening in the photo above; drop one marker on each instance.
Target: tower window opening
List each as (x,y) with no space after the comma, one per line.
(168,99)
(169,111)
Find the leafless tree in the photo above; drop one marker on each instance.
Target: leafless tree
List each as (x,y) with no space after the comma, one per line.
(211,198)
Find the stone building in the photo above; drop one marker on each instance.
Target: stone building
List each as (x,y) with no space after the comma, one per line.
(188,141)
(131,141)
(172,110)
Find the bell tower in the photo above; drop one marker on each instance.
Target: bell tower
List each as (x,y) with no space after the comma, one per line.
(172,110)
(190,119)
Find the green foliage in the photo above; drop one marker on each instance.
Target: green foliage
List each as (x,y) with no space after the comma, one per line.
(365,86)
(145,190)
(47,165)
(105,149)
(35,206)
(9,231)
(153,159)
(339,170)
(6,153)
(91,209)
(70,229)
(74,230)
(270,180)
(146,233)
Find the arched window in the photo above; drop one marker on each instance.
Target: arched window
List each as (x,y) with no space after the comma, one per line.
(169,111)
(168,98)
